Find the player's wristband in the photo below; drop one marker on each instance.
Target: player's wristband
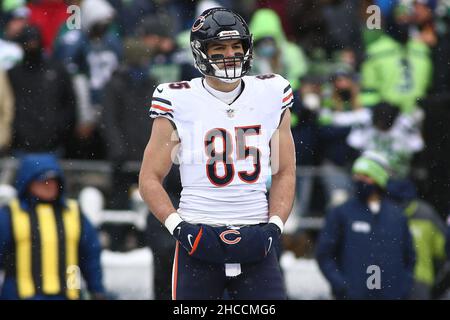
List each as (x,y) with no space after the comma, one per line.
(172,221)
(277,221)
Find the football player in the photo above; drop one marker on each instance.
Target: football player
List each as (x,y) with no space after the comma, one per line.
(230,133)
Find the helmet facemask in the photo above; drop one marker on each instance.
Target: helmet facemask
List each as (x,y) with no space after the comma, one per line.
(227,69)
(216,65)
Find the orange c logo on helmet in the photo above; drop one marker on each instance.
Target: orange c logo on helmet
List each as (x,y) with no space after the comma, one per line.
(227,232)
(198,23)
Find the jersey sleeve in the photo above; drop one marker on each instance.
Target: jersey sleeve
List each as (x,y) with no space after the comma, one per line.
(162,104)
(287,98)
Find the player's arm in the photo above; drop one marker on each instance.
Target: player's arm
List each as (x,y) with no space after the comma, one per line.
(155,166)
(282,191)
(200,241)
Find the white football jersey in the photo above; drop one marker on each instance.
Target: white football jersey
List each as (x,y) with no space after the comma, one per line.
(224,151)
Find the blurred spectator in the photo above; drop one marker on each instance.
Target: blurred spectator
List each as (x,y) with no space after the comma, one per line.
(447,239)
(328,110)
(46,243)
(436,157)
(44,100)
(130,14)
(41,11)
(370,35)
(442,287)
(398,67)
(91,56)
(281,8)
(307,102)
(125,121)
(342,97)
(342,25)
(11,53)
(365,249)
(273,52)
(386,6)
(340,111)
(180,13)
(168,63)
(428,232)
(8,5)
(308,24)
(244,8)
(423,21)
(17,20)
(6,112)
(390,132)
(323,27)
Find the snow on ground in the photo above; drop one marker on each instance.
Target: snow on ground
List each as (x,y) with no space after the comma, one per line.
(304,281)
(128,275)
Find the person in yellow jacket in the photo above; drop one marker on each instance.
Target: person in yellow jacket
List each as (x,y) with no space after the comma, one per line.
(46,243)
(428,232)
(398,67)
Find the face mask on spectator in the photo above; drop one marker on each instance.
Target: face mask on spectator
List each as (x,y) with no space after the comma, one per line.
(364,190)
(30,40)
(33,55)
(384,116)
(400,32)
(99,29)
(267,50)
(345,94)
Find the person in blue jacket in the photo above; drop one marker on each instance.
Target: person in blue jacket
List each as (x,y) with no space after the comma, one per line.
(365,249)
(46,243)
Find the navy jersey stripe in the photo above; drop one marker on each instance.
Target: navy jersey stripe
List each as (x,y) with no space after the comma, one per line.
(287,88)
(162,100)
(153,113)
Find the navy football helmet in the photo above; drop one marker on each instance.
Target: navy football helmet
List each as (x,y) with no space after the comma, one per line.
(218,24)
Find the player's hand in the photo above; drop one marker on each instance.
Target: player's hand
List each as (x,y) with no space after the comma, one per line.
(200,241)
(271,233)
(249,244)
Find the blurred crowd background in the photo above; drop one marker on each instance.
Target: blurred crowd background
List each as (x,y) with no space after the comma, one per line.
(82,92)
